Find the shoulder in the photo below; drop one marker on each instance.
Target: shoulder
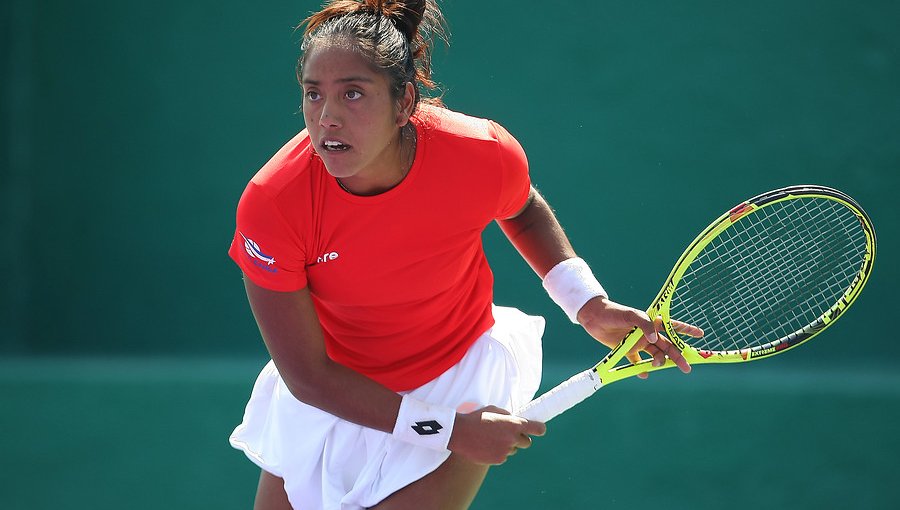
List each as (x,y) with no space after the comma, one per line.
(442,122)
(286,186)
(461,136)
(291,165)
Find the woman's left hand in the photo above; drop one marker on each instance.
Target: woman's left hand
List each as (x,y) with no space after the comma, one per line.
(609,322)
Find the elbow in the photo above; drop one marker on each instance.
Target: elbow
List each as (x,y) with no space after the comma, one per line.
(305,381)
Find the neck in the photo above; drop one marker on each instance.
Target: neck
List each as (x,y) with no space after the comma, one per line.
(405,155)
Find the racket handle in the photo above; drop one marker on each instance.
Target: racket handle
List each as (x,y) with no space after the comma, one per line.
(562,398)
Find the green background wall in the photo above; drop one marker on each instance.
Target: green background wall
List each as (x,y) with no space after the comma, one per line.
(130,128)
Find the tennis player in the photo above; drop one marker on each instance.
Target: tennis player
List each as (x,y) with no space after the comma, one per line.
(394,379)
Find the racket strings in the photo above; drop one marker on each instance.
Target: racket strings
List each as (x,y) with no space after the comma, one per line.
(783,293)
(788,275)
(770,274)
(795,283)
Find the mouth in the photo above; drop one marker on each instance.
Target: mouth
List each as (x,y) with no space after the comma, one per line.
(335,146)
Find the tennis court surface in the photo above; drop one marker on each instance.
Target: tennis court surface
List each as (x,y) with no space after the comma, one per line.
(151,433)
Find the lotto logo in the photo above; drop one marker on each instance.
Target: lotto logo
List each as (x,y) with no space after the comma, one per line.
(427,428)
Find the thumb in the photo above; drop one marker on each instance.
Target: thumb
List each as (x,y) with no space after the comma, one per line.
(535,428)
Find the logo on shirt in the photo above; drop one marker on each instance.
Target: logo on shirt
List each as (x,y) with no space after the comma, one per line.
(327,257)
(255,251)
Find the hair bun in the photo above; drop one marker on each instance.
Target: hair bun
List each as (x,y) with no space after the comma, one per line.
(407,15)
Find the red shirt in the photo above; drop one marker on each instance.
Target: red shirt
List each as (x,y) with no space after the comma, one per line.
(399,280)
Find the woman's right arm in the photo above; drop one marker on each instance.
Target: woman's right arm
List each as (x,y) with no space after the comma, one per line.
(291,331)
(290,328)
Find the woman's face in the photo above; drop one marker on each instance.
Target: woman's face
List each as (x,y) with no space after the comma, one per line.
(353,121)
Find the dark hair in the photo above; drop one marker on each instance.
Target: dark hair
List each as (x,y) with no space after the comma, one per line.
(395,35)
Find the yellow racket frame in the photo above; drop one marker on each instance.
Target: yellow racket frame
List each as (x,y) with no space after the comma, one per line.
(607,370)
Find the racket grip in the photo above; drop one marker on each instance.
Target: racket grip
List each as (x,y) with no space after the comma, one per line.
(562,398)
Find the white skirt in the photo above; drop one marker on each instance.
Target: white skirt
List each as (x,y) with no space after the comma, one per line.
(332,464)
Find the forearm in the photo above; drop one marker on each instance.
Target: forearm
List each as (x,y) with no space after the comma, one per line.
(540,239)
(292,334)
(342,392)
(537,235)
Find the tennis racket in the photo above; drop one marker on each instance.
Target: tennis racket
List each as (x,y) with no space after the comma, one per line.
(763,278)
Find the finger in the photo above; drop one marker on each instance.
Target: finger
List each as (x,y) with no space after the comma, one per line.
(674,354)
(654,350)
(662,346)
(669,350)
(679,327)
(524,442)
(687,329)
(534,428)
(634,357)
(659,351)
(651,329)
(679,360)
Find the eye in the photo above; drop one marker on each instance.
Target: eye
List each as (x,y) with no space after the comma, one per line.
(353,95)
(312,95)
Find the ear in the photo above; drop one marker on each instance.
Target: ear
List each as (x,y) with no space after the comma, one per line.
(406,104)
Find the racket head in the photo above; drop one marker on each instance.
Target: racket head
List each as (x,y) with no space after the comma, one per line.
(769,274)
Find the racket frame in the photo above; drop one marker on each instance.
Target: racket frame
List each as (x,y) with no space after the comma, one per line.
(608,370)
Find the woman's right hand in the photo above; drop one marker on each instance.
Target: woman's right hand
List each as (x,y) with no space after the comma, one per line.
(490,435)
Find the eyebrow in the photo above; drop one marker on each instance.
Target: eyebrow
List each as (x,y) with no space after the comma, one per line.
(349,79)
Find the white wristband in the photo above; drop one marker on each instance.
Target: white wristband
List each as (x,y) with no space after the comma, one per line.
(424,424)
(571,284)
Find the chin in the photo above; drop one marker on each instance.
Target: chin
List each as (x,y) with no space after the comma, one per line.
(339,173)
(337,170)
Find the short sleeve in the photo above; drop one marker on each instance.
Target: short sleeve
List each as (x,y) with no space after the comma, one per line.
(515,183)
(265,246)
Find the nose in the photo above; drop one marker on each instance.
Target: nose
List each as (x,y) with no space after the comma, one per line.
(328,117)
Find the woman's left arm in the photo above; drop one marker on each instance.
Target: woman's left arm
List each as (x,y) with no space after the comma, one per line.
(537,235)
